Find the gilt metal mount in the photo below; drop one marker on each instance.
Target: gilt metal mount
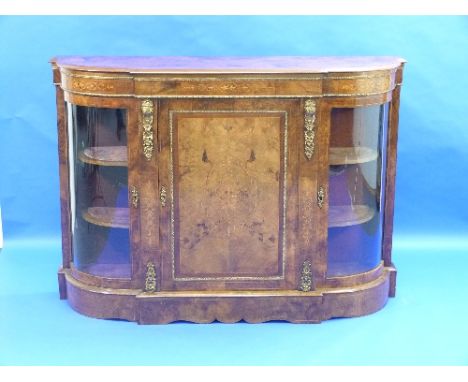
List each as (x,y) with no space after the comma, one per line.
(320,196)
(150,281)
(306,277)
(163,196)
(135,197)
(147,117)
(309,125)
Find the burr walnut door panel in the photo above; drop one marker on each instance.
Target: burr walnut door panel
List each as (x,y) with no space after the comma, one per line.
(228,170)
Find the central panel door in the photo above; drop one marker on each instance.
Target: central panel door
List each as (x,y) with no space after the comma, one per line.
(227,169)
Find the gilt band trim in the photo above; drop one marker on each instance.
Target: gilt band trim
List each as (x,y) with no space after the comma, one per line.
(284,192)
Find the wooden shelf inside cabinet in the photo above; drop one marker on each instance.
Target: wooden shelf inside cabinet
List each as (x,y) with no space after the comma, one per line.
(115,156)
(351,155)
(108,270)
(113,217)
(345,216)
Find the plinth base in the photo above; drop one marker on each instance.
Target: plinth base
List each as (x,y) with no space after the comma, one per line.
(228,307)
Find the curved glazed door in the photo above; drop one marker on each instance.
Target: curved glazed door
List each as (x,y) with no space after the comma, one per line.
(99,191)
(357,159)
(227,171)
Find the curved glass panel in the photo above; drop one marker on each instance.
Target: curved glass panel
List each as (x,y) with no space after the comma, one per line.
(99,191)
(356,185)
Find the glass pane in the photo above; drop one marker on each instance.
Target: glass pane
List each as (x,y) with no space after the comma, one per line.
(99,191)
(356,184)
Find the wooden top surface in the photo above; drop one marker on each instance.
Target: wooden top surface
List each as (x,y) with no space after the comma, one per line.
(181,64)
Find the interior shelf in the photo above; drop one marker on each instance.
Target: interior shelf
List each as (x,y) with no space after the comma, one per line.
(108,270)
(345,216)
(346,268)
(114,217)
(351,155)
(105,156)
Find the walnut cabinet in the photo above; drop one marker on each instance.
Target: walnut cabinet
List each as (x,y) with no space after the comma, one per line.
(227,188)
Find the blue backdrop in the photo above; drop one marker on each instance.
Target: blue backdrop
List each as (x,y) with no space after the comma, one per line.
(431,217)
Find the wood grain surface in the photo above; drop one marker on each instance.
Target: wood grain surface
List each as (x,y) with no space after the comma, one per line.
(230,178)
(272,64)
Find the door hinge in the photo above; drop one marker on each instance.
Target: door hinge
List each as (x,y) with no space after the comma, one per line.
(163,196)
(320,197)
(135,197)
